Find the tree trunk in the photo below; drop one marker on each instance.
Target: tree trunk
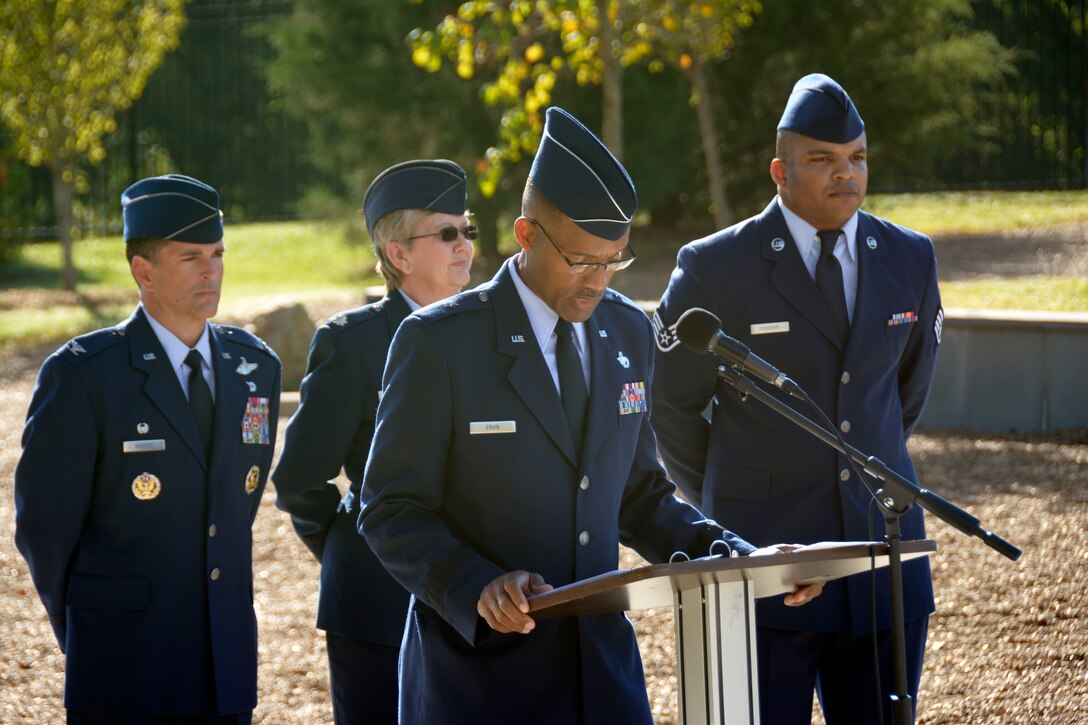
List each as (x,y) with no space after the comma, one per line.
(611,86)
(63,194)
(704,108)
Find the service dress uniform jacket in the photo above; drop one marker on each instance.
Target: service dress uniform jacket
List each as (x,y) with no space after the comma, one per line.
(332,430)
(139,545)
(473,473)
(753,470)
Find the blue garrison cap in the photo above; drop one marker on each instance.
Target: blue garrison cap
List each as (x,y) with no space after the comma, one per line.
(172,207)
(582,178)
(435,185)
(819,107)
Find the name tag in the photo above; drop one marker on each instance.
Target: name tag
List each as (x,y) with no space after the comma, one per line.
(770,328)
(485,427)
(143,446)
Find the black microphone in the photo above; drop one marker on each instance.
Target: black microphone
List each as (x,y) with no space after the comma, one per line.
(701,331)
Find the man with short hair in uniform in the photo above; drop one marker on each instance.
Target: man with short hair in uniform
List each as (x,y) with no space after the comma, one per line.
(847,305)
(146,449)
(417,218)
(513,453)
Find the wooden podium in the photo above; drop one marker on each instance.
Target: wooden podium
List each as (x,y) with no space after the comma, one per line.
(714,599)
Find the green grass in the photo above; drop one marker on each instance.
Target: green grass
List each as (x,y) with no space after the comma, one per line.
(1047,294)
(314,260)
(980,212)
(264,263)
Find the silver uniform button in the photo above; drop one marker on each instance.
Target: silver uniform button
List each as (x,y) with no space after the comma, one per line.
(844,474)
(844,426)
(845,377)
(212,531)
(484,297)
(215,574)
(583,538)
(584,484)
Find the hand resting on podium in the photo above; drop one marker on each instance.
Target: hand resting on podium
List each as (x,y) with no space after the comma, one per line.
(504,603)
(802,594)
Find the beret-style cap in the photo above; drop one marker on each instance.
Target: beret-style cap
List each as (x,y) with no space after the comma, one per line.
(581,177)
(819,108)
(435,185)
(172,207)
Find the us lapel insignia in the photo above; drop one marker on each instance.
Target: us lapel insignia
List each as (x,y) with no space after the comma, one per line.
(149,356)
(252,478)
(778,244)
(517,338)
(602,333)
(623,360)
(255,422)
(146,486)
(245,368)
(870,242)
(226,356)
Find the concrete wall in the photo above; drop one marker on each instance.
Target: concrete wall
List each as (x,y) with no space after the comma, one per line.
(1026,371)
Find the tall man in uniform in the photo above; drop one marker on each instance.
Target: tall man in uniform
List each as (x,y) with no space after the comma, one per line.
(847,305)
(513,453)
(145,453)
(416,216)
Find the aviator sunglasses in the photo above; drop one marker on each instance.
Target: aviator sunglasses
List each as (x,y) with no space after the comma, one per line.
(449,233)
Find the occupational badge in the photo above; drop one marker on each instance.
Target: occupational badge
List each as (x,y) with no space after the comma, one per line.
(623,360)
(633,398)
(251,479)
(142,428)
(245,368)
(146,486)
(252,386)
(255,421)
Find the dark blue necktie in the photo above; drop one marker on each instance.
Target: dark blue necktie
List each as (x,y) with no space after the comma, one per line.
(829,282)
(572,381)
(200,400)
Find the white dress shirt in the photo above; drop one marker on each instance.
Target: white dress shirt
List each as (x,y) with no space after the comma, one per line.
(542,319)
(808,244)
(176,350)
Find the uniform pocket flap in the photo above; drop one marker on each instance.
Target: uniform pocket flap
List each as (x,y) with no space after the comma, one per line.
(108,591)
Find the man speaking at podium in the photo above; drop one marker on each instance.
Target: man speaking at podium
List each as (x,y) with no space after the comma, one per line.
(847,305)
(513,452)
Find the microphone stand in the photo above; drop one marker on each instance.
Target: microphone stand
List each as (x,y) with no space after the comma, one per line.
(895,499)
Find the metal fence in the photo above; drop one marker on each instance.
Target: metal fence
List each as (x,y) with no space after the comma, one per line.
(208,111)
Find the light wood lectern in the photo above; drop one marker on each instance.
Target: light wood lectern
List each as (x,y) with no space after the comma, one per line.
(714,599)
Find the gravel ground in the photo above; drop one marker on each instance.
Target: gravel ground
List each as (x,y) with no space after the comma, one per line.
(1008,644)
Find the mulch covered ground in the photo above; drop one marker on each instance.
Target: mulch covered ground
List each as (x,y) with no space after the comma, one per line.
(1008,644)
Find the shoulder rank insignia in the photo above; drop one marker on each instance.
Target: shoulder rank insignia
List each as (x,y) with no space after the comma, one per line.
(146,486)
(75,347)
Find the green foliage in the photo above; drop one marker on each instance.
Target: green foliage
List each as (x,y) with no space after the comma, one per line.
(343,67)
(526,49)
(916,69)
(68,66)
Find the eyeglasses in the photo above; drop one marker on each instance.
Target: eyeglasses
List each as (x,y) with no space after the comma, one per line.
(582,267)
(449,234)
